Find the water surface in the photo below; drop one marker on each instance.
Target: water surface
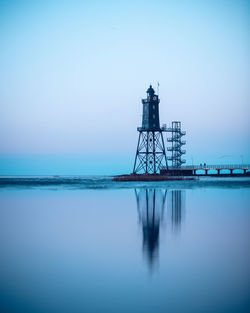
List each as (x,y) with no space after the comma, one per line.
(77,244)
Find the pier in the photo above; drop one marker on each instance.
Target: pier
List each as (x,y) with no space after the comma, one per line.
(208,170)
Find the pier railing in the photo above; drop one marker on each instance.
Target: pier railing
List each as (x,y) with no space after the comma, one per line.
(215,167)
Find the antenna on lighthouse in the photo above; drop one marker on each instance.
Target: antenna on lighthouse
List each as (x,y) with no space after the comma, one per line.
(158,89)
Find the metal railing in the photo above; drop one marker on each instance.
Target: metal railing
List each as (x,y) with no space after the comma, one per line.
(176,149)
(215,167)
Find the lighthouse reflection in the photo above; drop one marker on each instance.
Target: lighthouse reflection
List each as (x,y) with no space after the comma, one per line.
(156,208)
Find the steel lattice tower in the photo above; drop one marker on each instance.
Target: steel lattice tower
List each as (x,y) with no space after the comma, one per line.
(150,154)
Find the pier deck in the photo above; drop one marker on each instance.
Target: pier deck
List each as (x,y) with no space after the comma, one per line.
(209,170)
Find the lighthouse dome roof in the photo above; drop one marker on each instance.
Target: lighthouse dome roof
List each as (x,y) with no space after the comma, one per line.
(150,90)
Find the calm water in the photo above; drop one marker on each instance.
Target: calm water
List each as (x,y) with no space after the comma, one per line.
(91,245)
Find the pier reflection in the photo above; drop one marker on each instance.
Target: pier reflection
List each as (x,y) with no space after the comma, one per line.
(158,207)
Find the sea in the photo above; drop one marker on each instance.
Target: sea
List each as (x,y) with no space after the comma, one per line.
(90,244)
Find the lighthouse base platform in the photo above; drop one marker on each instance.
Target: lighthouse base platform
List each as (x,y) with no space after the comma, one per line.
(150,177)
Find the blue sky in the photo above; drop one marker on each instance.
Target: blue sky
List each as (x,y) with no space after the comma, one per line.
(73,74)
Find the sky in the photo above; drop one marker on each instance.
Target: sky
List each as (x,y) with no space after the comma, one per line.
(73,73)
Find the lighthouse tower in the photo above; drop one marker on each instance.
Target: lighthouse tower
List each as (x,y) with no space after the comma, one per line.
(150,154)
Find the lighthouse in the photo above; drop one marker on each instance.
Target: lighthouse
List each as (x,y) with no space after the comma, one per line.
(150,153)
